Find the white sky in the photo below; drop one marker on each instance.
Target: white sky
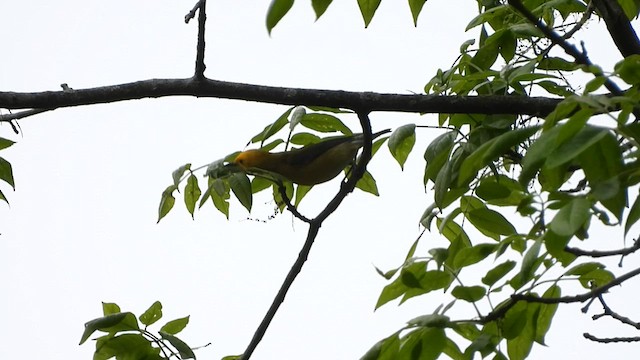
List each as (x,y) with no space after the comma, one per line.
(82,229)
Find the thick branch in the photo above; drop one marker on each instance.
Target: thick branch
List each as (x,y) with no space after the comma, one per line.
(155,88)
(619,26)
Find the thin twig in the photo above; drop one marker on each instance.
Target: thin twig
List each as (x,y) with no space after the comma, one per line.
(22,114)
(580,56)
(202,18)
(608,312)
(282,293)
(611,340)
(283,194)
(583,20)
(597,254)
(314,227)
(192,13)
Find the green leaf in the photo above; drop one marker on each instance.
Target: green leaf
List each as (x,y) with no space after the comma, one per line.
(474,254)
(416,8)
(414,281)
(490,222)
(166,201)
(304,139)
(220,195)
(175,326)
(217,169)
(183,349)
(191,194)
(501,190)
(259,183)
(152,314)
(629,69)
(368,184)
(573,147)
(520,346)
(603,164)
(515,320)
(126,347)
(498,272)
(320,6)
(110,324)
(546,313)
(385,349)
(368,9)
(557,63)
(491,150)
(437,153)
(6,172)
(272,129)
(584,268)
(110,308)
(324,123)
(556,244)
(401,143)
(5,143)
(634,215)
(530,261)
(241,187)
(176,175)
(442,184)
(469,293)
(426,343)
(277,10)
(539,152)
(301,192)
(430,320)
(488,15)
(571,217)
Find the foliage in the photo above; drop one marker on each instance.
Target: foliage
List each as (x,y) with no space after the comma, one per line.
(6,170)
(224,178)
(125,339)
(511,193)
(507,189)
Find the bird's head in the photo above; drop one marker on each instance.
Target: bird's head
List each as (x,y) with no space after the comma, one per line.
(250,159)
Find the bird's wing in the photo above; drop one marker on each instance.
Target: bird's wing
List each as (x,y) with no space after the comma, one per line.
(311,152)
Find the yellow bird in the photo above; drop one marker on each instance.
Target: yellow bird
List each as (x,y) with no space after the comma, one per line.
(310,165)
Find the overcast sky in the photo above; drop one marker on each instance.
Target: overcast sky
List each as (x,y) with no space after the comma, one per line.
(82,229)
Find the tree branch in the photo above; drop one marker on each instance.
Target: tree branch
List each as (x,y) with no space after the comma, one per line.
(22,114)
(611,340)
(156,88)
(578,298)
(500,311)
(619,26)
(596,253)
(579,56)
(202,18)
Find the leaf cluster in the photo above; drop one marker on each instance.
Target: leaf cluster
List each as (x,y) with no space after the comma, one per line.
(224,178)
(125,339)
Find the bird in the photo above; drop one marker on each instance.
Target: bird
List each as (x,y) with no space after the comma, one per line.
(310,165)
